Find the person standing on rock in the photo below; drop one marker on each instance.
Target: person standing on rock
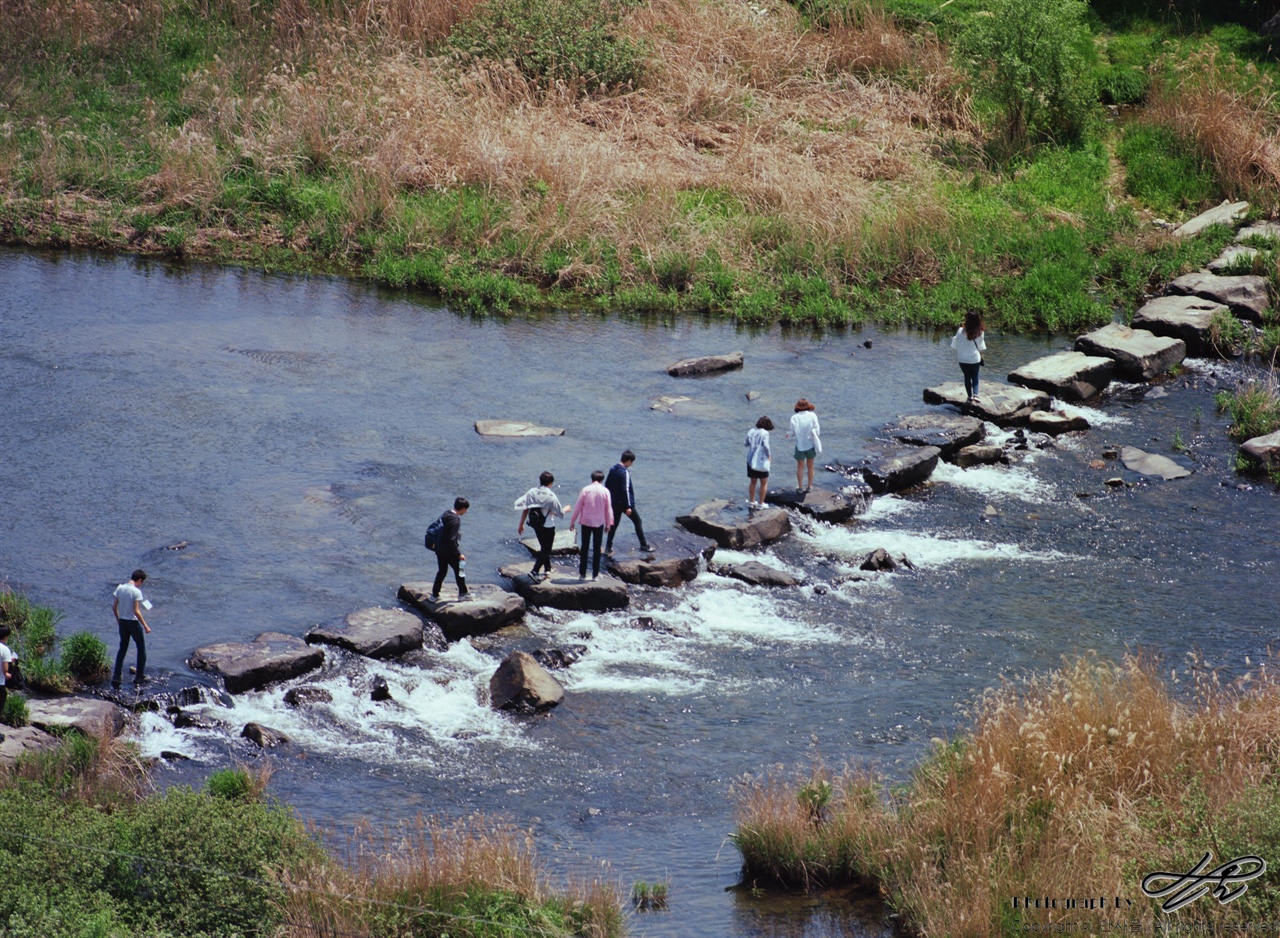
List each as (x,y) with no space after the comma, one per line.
(127,606)
(969,343)
(449,549)
(805,431)
(594,508)
(7,657)
(758,459)
(540,507)
(623,498)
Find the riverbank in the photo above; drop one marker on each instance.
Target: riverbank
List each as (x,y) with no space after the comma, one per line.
(766,162)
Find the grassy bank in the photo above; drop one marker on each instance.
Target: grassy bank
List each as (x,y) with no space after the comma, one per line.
(1070,785)
(90,851)
(824,162)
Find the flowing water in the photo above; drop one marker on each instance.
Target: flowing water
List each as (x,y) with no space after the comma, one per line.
(297,435)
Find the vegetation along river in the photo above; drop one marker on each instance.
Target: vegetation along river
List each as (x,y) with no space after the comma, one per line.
(299,434)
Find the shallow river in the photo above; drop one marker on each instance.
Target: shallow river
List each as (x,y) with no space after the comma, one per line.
(298,435)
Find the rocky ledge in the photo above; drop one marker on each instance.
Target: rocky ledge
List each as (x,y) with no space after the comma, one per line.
(675,559)
(566,591)
(100,719)
(245,666)
(734,526)
(900,467)
(483,610)
(1071,376)
(1002,404)
(374,633)
(1140,355)
(822,504)
(948,432)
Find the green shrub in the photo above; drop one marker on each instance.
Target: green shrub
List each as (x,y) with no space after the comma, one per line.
(233,784)
(1122,84)
(1254,407)
(550,41)
(15,712)
(84,656)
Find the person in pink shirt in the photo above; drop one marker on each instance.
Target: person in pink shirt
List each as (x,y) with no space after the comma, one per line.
(594,508)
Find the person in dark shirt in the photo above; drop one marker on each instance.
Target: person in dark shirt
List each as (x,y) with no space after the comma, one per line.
(449,549)
(623,496)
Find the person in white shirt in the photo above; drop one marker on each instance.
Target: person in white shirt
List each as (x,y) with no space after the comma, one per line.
(758,459)
(6,658)
(127,608)
(805,431)
(969,343)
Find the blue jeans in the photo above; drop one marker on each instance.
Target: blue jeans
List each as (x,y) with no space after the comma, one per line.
(591,538)
(971,371)
(130,628)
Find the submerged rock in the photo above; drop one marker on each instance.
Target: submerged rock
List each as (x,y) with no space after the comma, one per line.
(948,432)
(515,428)
(1188,318)
(1264,450)
(1139,354)
(567,591)
(1071,376)
(733,526)
(674,560)
(900,467)
(758,574)
(483,610)
(879,560)
(1002,404)
(1151,464)
(524,686)
(706,364)
(374,633)
(270,657)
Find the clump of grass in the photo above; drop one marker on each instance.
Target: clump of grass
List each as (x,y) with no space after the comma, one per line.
(34,641)
(1060,783)
(15,712)
(1254,406)
(649,897)
(84,656)
(239,783)
(1227,334)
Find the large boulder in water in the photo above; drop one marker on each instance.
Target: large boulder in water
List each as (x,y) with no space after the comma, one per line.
(1189,318)
(1264,450)
(245,666)
(948,432)
(1071,376)
(524,686)
(566,590)
(374,633)
(483,610)
(757,574)
(100,719)
(733,526)
(1002,404)
(822,504)
(675,558)
(707,364)
(1140,355)
(1248,295)
(900,467)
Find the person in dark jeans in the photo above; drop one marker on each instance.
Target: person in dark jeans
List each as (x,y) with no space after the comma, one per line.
(540,507)
(623,496)
(127,608)
(449,549)
(594,510)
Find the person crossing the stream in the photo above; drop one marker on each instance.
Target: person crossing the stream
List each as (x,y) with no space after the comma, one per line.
(969,343)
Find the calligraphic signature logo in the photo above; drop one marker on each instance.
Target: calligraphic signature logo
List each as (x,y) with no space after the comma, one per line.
(1227,882)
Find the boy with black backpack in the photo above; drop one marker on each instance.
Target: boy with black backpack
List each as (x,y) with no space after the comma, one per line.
(444,538)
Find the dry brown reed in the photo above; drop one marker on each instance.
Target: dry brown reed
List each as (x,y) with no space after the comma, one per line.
(1224,110)
(1073,784)
(27,25)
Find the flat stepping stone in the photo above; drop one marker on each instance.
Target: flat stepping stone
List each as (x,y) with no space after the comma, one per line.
(522,685)
(245,666)
(565,591)
(1227,213)
(1264,450)
(707,364)
(900,467)
(1261,229)
(758,574)
(374,633)
(1151,464)
(733,526)
(515,428)
(981,454)
(668,402)
(1003,404)
(822,504)
(1139,355)
(948,432)
(22,740)
(1247,295)
(1230,259)
(1070,376)
(675,559)
(1055,422)
(563,545)
(485,608)
(91,716)
(1188,318)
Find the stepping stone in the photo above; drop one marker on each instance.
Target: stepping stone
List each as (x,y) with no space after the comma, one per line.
(566,591)
(515,428)
(947,432)
(245,666)
(675,559)
(822,504)
(1070,376)
(100,719)
(374,633)
(522,685)
(1228,213)
(733,526)
(1055,422)
(1182,317)
(1139,354)
(900,467)
(1261,229)
(1264,450)
(1247,295)
(1002,404)
(563,545)
(1151,464)
(22,740)
(980,455)
(668,402)
(485,609)
(707,364)
(1232,257)
(757,574)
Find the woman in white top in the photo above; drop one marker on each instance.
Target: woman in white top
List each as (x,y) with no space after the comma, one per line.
(758,459)
(969,345)
(540,507)
(804,430)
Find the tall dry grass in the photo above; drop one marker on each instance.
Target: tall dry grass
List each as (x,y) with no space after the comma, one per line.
(1074,784)
(1225,111)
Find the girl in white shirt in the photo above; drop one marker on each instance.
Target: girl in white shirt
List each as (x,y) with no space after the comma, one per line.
(805,431)
(969,345)
(758,459)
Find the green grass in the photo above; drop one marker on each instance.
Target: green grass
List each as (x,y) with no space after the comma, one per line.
(1254,407)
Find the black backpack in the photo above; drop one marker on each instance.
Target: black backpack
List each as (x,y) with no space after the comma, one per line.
(432,539)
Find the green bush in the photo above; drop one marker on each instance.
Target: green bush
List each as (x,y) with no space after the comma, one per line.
(84,656)
(1122,84)
(1029,57)
(15,712)
(550,41)
(233,784)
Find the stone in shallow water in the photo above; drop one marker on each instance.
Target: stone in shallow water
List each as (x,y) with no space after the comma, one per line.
(566,591)
(563,545)
(1247,295)
(948,432)
(823,504)
(1188,318)
(1071,376)
(982,454)
(900,467)
(374,633)
(1264,450)
(706,364)
(515,428)
(271,657)
(757,574)
(1002,404)
(1139,354)
(733,526)
(485,609)
(524,686)
(1151,464)
(1055,422)
(673,560)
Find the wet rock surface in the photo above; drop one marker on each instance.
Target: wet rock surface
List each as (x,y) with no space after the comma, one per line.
(757,574)
(1264,451)
(100,719)
(306,694)
(675,559)
(900,467)
(522,685)
(1188,318)
(705,364)
(515,428)
(1139,355)
(948,432)
(564,590)
(822,504)
(1055,422)
(485,608)
(1151,464)
(734,526)
(984,454)
(1071,376)
(270,657)
(1002,404)
(263,736)
(557,659)
(374,633)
